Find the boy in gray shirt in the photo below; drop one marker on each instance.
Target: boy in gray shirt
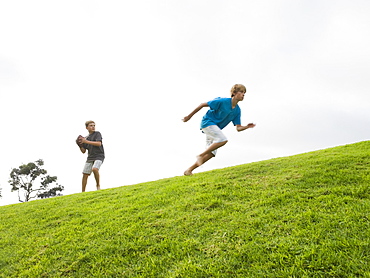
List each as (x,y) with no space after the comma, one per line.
(93,143)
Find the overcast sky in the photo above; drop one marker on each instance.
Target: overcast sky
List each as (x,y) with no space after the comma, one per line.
(138,67)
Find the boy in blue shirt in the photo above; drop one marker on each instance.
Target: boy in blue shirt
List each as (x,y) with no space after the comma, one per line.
(222,111)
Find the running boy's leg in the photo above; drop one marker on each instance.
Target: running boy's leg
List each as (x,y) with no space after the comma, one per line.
(208,153)
(190,170)
(215,139)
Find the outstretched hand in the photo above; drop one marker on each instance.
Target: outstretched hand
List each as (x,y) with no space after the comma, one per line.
(186,118)
(241,128)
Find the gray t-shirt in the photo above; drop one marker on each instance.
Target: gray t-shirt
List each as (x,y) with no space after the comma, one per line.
(95,153)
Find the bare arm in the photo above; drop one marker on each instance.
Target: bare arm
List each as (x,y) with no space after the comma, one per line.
(94,143)
(241,128)
(200,106)
(82,149)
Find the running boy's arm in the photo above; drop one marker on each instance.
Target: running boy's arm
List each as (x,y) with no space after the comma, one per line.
(241,128)
(200,106)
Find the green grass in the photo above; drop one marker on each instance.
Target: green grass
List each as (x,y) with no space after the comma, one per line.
(300,216)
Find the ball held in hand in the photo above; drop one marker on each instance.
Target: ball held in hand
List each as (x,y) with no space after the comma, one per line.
(79,141)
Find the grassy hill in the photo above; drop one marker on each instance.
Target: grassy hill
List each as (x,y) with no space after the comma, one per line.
(301,216)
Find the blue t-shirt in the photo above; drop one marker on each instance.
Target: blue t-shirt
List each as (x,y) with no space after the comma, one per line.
(221,113)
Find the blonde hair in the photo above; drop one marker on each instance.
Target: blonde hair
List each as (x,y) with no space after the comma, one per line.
(237,88)
(89,122)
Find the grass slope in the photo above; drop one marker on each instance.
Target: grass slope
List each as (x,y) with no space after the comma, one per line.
(300,216)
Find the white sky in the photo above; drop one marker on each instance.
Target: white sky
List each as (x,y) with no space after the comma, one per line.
(138,67)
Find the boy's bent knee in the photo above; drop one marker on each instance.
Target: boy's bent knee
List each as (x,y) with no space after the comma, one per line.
(95,170)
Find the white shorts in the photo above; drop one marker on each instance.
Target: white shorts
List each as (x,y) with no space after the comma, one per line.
(90,164)
(213,135)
